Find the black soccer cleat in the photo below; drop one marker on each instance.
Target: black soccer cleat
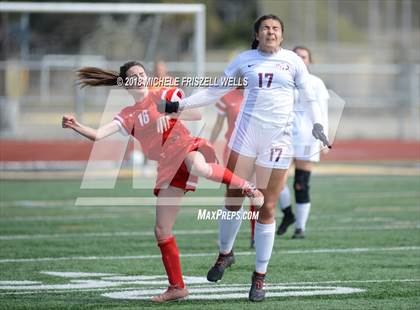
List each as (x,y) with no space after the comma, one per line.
(252,244)
(299,234)
(257,291)
(288,219)
(223,261)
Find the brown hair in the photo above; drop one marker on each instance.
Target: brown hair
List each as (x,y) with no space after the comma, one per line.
(296,48)
(93,76)
(257,25)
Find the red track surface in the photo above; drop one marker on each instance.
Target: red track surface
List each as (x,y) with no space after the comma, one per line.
(350,150)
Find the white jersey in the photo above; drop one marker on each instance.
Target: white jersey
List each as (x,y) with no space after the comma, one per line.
(269,94)
(321,95)
(305,146)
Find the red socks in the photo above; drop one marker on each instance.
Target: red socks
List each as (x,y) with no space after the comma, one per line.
(252,222)
(170,258)
(223,175)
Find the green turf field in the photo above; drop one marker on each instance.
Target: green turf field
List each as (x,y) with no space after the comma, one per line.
(362,250)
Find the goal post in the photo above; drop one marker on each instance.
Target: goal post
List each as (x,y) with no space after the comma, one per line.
(198,10)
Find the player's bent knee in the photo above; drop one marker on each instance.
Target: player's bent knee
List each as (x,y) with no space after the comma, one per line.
(302,196)
(200,170)
(301,186)
(268,211)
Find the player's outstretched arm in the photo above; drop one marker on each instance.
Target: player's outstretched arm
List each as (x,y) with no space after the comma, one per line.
(70,121)
(199,99)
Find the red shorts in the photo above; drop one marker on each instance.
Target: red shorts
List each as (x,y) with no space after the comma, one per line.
(172,169)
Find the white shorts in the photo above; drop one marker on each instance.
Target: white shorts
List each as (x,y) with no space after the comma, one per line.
(305,146)
(270,145)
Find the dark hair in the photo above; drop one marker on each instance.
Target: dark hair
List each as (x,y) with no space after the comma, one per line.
(296,48)
(257,25)
(93,76)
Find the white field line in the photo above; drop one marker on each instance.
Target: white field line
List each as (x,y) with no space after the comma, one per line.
(140,201)
(387,209)
(38,203)
(58,218)
(364,195)
(187,201)
(140,257)
(72,202)
(105,234)
(111,214)
(392,226)
(218,286)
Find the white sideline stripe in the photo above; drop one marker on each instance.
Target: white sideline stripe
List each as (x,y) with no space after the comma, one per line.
(58,218)
(192,200)
(38,203)
(123,214)
(77,274)
(186,201)
(401,194)
(312,251)
(19,282)
(392,226)
(106,234)
(212,285)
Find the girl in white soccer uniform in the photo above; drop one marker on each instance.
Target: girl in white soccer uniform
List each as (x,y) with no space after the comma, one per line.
(306,151)
(262,139)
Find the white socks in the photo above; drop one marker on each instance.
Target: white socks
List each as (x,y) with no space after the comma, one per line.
(302,214)
(285,199)
(228,229)
(264,241)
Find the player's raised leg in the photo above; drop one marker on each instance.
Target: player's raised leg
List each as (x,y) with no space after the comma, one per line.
(165,219)
(197,165)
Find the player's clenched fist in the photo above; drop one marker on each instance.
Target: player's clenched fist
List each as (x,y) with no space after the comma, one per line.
(69,121)
(318,133)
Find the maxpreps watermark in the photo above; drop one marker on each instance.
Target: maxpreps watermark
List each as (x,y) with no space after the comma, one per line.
(207,215)
(185,81)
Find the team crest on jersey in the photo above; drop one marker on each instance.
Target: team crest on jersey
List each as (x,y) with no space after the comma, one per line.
(283,66)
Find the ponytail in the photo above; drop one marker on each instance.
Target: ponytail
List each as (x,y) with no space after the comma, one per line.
(254,44)
(92,76)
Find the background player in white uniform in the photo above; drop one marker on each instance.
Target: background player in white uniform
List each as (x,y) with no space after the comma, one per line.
(306,151)
(262,139)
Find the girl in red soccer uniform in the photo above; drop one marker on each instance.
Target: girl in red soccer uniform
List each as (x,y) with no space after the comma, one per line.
(181,157)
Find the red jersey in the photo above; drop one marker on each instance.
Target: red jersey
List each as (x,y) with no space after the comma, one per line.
(169,148)
(230,105)
(139,121)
